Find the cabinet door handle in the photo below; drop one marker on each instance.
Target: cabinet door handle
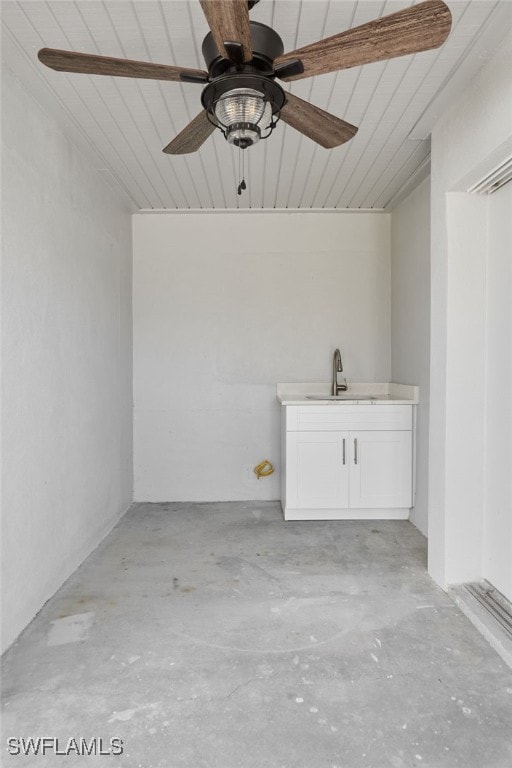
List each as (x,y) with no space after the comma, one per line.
(344,451)
(355,450)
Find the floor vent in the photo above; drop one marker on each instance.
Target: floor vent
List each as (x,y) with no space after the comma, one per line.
(497,178)
(494,602)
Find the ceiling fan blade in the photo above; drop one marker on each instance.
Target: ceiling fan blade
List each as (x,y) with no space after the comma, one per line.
(326,129)
(229,23)
(89,64)
(192,136)
(412,30)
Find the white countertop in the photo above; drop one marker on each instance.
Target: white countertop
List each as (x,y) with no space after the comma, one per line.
(358,393)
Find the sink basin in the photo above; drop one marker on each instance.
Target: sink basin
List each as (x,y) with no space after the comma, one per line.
(341,397)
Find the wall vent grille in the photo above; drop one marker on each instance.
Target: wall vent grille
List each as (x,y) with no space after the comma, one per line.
(494,180)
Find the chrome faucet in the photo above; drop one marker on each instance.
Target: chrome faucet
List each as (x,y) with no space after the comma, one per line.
(337,367)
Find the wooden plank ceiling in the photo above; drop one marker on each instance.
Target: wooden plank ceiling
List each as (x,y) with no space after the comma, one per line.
(123,124)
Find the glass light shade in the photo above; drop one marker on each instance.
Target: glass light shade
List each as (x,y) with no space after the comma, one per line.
(243,105)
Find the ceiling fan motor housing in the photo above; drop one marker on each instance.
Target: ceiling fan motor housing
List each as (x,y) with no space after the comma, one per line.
(266,46)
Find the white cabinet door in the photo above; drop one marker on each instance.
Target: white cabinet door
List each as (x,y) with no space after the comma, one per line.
(380,469)
(322,470)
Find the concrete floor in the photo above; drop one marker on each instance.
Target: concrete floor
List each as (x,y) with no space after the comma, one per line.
(218,636)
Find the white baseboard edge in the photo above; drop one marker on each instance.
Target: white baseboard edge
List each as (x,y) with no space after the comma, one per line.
(346,514)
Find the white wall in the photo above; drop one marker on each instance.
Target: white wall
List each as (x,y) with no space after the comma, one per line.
(225,307)
(410,321)
(465,142)
(66,358)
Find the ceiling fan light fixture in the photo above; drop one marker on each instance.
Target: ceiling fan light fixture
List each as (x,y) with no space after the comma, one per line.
(243,115)
(245,107)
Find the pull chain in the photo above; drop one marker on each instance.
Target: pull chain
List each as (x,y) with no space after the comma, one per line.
(241,171)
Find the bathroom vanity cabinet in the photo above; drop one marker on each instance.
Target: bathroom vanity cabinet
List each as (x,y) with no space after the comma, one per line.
(347,461)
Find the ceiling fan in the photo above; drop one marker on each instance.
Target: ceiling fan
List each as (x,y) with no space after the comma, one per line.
(245,58)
